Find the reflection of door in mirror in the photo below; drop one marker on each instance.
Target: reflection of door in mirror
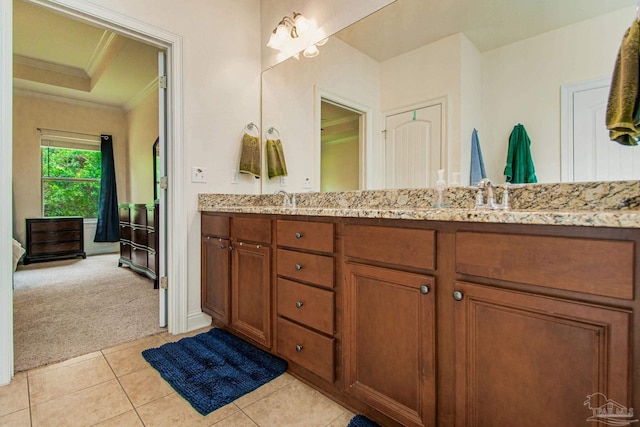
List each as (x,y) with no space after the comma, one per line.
(340,147)
(156,169)
(413,147)
(590,155)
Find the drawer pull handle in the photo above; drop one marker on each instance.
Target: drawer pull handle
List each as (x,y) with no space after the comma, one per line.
(299,304)
(424,289)
(223,246)
(299,348)
(457,295)
(298,235)
(298,267)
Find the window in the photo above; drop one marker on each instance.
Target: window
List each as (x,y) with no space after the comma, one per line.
(70,178)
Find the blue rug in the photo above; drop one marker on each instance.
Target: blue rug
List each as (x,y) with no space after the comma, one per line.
(214,368)
(361,421)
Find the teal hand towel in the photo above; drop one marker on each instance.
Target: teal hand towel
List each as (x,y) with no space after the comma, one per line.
(276,166)
(623,112)
(250,155)
(519,168)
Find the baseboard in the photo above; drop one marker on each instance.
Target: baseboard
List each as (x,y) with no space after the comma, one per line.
(197,320)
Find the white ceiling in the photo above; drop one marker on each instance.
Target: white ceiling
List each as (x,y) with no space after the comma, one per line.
(59,56)
(408,24)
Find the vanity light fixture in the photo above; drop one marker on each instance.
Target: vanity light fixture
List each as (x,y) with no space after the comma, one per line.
(287,29)
(311,52)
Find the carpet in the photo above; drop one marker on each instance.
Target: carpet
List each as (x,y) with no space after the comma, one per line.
(67,308)
(214,368)
(362,421)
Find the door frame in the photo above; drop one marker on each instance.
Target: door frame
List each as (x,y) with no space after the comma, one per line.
(566,122)
(175,217)
(366,135)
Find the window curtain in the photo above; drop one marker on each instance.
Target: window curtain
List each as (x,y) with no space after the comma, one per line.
(107,229)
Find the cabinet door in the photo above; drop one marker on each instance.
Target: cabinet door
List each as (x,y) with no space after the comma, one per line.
(215,278)
(251,292)
(528,360)
(389,348)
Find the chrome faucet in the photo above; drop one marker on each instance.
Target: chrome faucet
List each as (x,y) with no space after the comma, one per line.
(491,201)
(289,200)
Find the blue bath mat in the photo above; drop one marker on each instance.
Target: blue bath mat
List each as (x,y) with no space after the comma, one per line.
(214,368)
(361,421)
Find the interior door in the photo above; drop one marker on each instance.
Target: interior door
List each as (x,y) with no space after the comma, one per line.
(595,157)
(413,146)
(162,196)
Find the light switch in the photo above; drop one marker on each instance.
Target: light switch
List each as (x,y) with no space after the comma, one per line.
(307,183)
(198,174)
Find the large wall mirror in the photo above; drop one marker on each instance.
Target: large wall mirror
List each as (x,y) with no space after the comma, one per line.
(431,72)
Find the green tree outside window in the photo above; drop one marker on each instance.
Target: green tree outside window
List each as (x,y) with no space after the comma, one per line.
(70,182)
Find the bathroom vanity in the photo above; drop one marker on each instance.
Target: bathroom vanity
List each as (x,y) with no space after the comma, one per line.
(434,317)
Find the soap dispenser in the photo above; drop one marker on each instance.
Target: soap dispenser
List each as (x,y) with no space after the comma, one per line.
(441,185)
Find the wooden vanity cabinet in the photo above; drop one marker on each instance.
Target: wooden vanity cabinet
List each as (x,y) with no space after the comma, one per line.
(251,278)
(389,325)
(215,268)
(305,267)
(525,355)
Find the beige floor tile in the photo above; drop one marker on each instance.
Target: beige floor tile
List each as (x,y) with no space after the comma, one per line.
(83,408)
(128,419)
(52,383)
(173,411)
(260,392)
(342,420)
(15,395)
(144,386)
(16,419)
(66,362)
(173,338)
(295,404)
(238,419)
(129,359)
(151,341)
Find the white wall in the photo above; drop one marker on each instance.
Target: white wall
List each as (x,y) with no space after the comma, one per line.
(289,104)
(142,127)
(521,84)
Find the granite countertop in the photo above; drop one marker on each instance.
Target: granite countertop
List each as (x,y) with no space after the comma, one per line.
(598,204)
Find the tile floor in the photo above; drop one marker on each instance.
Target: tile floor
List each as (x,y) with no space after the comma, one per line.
(117,387)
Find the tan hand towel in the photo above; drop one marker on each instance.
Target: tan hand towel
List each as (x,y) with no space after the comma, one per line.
(623,112)
(250,155)
(276,165)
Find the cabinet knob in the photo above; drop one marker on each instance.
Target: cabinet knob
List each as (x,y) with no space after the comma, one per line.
(223,246)
(298,235)
(298,267)
(457,295)
(424,289)
(299,348)
(299,304)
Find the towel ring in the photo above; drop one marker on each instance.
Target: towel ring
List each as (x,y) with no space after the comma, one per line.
(271,132)
(252,129)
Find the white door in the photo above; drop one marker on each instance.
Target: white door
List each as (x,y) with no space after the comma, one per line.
(595,156)
(162,196)
(413,146)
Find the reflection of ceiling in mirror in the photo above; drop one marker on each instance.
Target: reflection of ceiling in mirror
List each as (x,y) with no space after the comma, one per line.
(408,24)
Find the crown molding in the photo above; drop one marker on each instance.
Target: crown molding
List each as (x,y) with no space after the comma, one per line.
(64,100)
(141,96)
(50,66)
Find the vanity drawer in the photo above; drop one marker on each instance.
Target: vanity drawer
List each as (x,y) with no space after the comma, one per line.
(214,225)
(306,348)
(408,247)
(317,269)
(251,230)
(313,236)
(305,304)
(592,266)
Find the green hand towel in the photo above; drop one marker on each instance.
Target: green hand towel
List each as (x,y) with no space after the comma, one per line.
(250,155)
(519,168)
(623,112)
(276,166)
